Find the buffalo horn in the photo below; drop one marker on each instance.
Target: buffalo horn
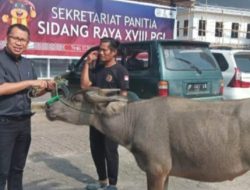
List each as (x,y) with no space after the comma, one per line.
(100,96)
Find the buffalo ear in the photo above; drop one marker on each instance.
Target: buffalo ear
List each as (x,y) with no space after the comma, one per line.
(77,98)
(110,109)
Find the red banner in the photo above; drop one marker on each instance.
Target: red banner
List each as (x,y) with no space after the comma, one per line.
(69,28)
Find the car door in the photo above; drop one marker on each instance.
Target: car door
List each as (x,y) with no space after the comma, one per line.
(143,74)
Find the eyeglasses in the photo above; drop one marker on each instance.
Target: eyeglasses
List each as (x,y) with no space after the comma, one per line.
(17,39)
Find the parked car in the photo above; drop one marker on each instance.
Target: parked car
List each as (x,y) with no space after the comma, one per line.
(165,68)
(235,68)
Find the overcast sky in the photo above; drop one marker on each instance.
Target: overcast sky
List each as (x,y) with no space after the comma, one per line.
(229,3)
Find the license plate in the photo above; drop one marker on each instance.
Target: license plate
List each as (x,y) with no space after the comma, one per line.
(196,87)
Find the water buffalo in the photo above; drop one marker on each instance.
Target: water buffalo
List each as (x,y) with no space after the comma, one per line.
(168,136)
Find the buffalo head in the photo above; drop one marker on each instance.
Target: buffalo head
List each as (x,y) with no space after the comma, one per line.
(80,107)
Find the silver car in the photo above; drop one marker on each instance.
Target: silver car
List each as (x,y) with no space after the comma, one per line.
(235,67)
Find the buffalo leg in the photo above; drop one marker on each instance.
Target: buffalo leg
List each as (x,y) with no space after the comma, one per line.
(156,181)
(166,183)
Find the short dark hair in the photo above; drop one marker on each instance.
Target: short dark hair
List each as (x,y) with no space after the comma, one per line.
(19,26)
(113,43)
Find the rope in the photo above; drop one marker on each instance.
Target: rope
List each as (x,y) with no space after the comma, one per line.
(61,84)
(72,107)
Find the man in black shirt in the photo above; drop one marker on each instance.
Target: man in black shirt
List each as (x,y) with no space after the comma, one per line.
(109,74)
(17,76)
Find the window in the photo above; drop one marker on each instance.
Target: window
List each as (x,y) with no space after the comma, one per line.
(222,62)
(49,68)
(185,29)
(188,58)
(138,60)
(235,30)
(219,29)
(58,66)
(202,28)
(178,29)
(136,57)
(243,62)
(40,66)
(248,31)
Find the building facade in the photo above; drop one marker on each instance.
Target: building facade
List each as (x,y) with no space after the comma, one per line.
(178,3)
(221,26)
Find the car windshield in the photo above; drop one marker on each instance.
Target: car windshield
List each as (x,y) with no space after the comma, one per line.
(188,58)
(243,62)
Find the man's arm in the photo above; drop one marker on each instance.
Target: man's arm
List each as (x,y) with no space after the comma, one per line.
(51,84)
(124,93)
(85,79)
(11,88)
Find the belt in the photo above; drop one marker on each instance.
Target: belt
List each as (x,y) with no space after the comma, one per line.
(14,118)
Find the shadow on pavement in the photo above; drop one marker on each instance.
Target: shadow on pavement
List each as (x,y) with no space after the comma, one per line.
(62,166)
(46,184)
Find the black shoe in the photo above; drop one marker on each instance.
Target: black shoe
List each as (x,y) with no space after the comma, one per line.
(110,187)
(96,186)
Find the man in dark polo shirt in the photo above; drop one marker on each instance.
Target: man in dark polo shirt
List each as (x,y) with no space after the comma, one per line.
(110,74)
(17,76)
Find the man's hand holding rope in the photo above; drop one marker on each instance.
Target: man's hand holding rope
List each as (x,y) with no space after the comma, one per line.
(40,87)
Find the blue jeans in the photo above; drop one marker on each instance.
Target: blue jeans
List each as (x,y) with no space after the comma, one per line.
(15,138)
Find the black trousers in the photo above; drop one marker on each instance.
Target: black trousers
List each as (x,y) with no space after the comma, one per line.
(15,138)
(105,155)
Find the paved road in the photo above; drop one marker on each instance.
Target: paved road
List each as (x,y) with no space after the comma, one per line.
(59,159)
